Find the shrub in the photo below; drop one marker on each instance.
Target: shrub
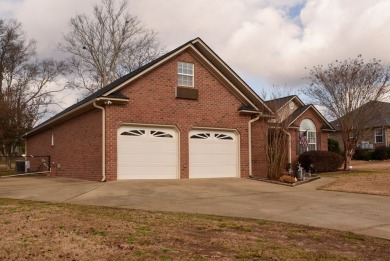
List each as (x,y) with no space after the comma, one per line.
(322,161)
(358,154)
(333,146)
(368,155)
(381,153)
(363,154)
(287,179)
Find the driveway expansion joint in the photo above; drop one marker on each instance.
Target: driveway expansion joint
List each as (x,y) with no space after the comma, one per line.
(85,192)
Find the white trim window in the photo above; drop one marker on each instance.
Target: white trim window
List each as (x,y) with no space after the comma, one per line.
(185,73)
(307,136)
(379,135)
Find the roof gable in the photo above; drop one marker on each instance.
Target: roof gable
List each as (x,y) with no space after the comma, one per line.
(196,45)
(277,104)
(301,110)
(280,103)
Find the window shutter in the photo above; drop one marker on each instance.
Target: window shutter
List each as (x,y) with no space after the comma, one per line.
(298,145)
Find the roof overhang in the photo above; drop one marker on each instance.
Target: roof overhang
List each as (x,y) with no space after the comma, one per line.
(203,53)
(103,101)
(317,112)
(295,97)
(220,69)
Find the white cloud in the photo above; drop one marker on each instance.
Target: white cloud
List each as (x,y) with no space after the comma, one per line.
(277,49)
(269,42)
(46,21)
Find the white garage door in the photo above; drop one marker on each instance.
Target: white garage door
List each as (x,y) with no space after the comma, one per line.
(147,153)
(213,154)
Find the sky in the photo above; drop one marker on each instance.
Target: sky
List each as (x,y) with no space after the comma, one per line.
(269,43)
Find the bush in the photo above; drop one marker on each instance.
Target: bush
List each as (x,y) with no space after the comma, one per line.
(363,154)
(287,179)
(368,155)
(381,153)
(333,146)
(322,161)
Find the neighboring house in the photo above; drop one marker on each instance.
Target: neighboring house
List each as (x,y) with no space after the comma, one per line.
(378,132)
(303,122)
(184,115)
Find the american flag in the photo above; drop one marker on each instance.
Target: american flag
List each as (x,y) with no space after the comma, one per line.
(303,139)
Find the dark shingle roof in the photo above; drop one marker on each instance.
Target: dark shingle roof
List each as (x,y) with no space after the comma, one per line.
(276,104)
(380,115)
(117,95)
(111,86)
(293,116)
(247,108)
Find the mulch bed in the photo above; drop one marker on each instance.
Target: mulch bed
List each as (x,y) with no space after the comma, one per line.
(300,182)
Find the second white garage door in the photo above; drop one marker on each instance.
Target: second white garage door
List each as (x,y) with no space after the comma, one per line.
(147,153)
(213,154)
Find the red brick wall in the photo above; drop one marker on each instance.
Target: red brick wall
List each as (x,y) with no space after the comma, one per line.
(152,101)
(259,160)
(309,114)
(77,146)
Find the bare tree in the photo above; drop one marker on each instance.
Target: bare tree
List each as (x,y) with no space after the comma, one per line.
(278,138)
(25,90)
(107,45)
(347,90)
(277,148)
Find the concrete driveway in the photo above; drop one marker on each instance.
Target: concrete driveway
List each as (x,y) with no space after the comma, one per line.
(365,214)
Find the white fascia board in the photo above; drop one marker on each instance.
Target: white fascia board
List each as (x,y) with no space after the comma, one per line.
(311,106)
(292,98)
(169,57)
(60,117)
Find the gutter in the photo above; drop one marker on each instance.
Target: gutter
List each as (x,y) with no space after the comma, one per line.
(250,142)
(61,116)
(103,140)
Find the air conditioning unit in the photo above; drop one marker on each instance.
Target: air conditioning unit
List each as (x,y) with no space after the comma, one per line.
(366,145)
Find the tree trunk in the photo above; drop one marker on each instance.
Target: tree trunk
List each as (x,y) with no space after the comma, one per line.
(347,160)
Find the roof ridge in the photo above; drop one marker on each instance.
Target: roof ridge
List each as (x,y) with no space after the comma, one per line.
(285,97)
(113,84)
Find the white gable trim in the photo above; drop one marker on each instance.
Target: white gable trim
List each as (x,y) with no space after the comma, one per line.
(318,113)
(292,98)
(168,58)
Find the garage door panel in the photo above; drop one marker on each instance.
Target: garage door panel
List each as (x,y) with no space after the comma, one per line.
(217,159)
(213,154)
(153,154)
(217,173)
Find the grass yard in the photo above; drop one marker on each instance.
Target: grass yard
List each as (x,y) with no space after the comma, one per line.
(369,177)
(44,231)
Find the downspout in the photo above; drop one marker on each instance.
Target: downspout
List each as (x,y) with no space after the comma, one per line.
(289,146)
(103,140)
(250,142)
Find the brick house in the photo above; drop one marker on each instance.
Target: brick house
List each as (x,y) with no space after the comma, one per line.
(301,119)
(378,132)
(184,115)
